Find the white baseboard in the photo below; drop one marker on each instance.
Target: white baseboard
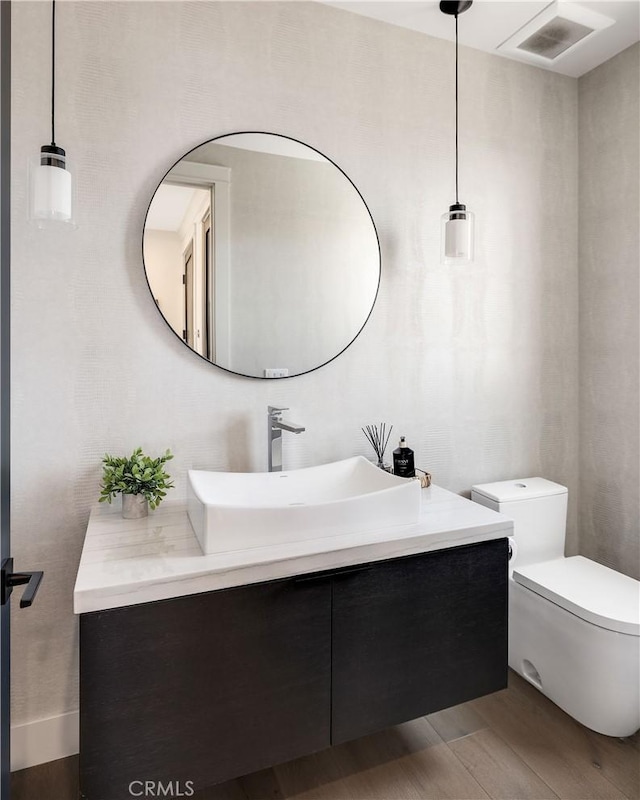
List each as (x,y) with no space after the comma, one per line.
(44,740)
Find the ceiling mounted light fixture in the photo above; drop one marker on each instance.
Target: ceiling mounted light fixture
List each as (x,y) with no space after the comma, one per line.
(51,185)
(457,223)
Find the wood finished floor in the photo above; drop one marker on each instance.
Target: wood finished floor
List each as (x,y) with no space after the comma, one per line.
(512,745)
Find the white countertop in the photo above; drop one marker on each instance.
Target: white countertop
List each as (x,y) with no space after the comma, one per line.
(126,562)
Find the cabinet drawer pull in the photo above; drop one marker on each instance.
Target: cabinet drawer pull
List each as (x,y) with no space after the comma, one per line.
(346,573)
(316,577)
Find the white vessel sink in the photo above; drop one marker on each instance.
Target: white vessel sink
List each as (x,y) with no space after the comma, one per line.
(237,511)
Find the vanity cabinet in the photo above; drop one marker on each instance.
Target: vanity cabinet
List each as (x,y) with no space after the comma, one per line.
(417,634)
(205,687)
(211,686)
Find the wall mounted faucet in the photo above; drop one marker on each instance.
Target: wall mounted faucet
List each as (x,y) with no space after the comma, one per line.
(275,426)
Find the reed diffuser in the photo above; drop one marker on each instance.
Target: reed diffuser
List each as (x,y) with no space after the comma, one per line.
(378,437)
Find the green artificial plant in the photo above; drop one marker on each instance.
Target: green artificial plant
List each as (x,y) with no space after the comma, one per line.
(137,474)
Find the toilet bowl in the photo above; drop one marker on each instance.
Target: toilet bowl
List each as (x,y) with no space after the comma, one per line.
(574,624)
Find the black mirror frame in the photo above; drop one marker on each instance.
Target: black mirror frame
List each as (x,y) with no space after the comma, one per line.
(375,230)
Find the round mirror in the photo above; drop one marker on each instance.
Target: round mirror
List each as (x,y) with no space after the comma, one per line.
(261,255)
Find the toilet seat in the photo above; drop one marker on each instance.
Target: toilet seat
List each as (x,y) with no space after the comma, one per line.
(589,590)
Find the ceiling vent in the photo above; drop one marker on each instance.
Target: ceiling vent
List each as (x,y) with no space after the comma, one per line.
(555,31)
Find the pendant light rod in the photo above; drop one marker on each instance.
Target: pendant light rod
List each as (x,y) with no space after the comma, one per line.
(457,200)
(455,8)
(53,72)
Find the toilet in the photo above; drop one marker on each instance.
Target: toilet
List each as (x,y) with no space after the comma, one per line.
(574,624)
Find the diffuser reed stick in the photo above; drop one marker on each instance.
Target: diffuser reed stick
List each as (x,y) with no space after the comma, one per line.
(378,438)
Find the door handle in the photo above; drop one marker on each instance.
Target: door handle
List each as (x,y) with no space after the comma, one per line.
(9,579)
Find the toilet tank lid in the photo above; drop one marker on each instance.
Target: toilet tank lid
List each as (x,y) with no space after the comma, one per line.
(519,489)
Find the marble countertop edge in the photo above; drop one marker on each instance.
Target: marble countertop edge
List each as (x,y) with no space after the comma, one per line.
(129,562)
(92,597)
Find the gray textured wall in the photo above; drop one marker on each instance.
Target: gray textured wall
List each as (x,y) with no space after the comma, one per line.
(609,250)
(476,365)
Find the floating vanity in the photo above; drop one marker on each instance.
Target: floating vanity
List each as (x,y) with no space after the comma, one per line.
(202,668)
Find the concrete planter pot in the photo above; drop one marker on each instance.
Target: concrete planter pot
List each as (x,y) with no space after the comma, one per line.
(134,506)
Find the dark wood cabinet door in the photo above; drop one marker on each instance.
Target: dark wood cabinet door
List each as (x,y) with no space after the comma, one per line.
(418,634)
(204,688)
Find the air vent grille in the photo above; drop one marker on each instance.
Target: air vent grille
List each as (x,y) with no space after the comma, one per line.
(556,33)
(553,38)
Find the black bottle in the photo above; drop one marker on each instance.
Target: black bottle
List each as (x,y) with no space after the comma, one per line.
(403,460)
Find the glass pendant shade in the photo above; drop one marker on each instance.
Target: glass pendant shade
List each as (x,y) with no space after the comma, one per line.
(51,187)
(457,235)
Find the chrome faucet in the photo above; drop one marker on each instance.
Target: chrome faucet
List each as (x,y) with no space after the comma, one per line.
(275,426)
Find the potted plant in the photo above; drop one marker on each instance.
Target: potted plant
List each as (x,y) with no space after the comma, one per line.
(140,480)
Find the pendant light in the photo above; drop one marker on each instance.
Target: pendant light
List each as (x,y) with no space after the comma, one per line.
(456,246)
(51,185)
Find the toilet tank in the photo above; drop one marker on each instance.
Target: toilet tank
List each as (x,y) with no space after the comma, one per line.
(538,508)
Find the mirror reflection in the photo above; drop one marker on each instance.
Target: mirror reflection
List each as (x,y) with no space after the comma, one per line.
(261,255)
